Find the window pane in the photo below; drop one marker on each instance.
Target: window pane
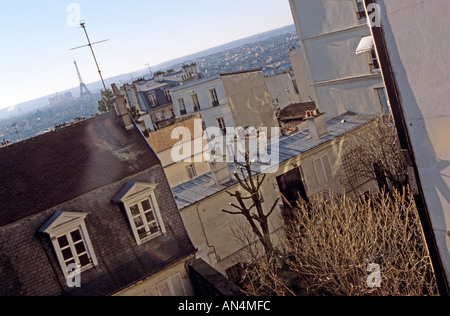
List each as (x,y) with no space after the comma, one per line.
(146,205)
(138,222)
(68,263)
(154,228)
(319,171)
(150,217)
(142,233)
(84,260)
(80,248)
(67,254)
(134,210)
(76,236)
(63,241)
(327,166)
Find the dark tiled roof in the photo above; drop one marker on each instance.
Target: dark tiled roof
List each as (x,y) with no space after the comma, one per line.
(297,111)
(56,167)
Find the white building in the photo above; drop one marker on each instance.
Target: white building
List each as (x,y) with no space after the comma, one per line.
(205,96)
(330,32)
(414,52)
(227,100)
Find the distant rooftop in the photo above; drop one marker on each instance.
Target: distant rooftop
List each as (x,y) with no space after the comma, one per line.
(203,187)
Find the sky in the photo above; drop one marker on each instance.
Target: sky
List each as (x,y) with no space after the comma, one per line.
(36,37)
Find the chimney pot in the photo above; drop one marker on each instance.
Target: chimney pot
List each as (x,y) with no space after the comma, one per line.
(122,112)
(317,125)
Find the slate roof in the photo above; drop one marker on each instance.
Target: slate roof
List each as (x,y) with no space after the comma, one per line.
(296,111)
(56,167)
(200,188)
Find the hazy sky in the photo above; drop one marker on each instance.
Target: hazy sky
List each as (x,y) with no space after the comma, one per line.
(36,35)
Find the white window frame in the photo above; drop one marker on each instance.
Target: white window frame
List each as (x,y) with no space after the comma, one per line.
(63,224)
(181,105)
(222,125)
(195,102)
(153,100)
(191,171)
(214,97)
(167,94)
(137,194)
(362,19)
(374,63)
(323,171)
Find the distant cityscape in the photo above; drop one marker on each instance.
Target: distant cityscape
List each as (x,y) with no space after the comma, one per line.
(268,51)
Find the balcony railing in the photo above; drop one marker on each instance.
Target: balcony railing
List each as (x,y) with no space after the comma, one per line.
(215,103)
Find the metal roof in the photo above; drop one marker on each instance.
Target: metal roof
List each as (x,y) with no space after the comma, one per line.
(202,187)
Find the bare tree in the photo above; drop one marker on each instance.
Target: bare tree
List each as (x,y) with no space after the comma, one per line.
(253,211)
(375,153)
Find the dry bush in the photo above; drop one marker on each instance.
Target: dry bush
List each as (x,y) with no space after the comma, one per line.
(377,147)
(333,239)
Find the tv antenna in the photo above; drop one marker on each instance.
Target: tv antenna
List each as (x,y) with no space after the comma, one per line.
(83,26)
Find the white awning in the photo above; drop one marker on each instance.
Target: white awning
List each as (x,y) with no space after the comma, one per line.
(365,45)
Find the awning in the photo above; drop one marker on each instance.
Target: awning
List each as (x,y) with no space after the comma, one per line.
(365,45)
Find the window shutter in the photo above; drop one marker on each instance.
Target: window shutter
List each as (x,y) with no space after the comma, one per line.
(177,285)
(164,289)
(319,171)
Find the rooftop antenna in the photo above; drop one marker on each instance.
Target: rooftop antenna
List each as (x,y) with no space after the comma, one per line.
(83,26)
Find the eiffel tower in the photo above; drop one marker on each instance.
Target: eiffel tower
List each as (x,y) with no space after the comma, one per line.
(83,89)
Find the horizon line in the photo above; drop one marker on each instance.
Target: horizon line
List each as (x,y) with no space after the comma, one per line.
(152,66)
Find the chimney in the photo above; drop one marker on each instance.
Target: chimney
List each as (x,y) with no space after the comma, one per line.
(159,76)
(219,166)
(316,124)
(122,112)
(114,89)
(220,172)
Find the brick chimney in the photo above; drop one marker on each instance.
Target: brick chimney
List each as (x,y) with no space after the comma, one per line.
(122,112)
(316,124)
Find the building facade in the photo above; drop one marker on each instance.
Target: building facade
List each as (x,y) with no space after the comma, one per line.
(227,100)
(344,76)
(413,47)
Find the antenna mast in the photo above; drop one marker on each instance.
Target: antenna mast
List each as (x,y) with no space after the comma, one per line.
(83,26)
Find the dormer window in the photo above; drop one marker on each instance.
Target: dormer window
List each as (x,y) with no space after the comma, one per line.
(142,210)
(70,239)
